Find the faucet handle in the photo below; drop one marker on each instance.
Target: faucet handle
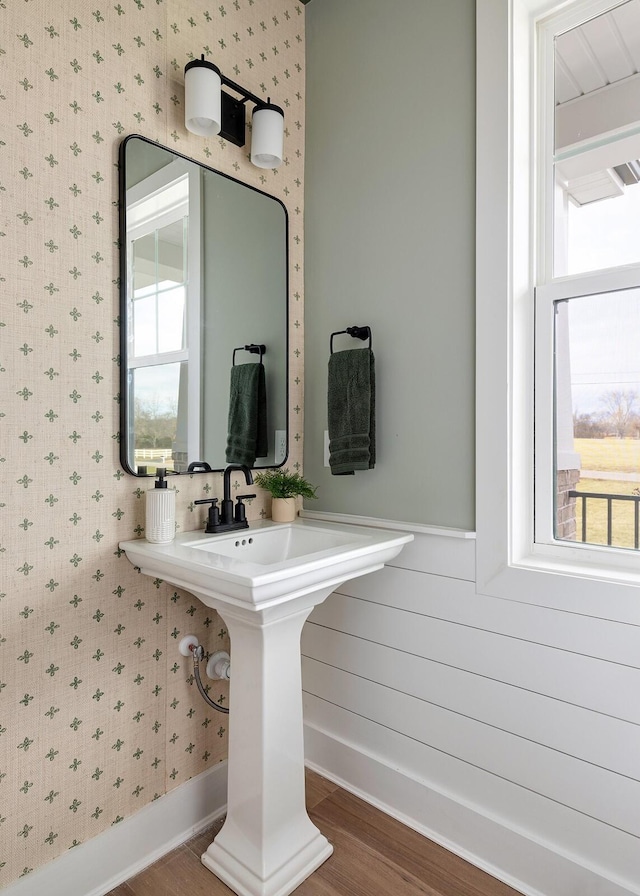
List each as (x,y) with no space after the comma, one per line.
(240,515)
(213,519)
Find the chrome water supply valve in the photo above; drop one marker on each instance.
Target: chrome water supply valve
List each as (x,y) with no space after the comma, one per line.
(218,666)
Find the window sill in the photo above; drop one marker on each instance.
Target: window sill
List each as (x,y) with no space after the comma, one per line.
(589,562)
(570,580)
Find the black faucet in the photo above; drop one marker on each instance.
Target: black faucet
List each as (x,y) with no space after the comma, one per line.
(226,511)
(224,519)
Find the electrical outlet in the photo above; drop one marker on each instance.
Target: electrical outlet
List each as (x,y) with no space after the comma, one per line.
(326,448)
(280,446)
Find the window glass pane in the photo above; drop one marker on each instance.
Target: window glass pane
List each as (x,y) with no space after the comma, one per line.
(155,400)
(171,254)
(144,262)
(144,327)
(171,320)
(159,296)
(597,419)
(601,234)
(597,143)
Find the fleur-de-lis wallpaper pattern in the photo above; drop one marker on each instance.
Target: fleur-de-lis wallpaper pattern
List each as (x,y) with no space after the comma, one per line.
(99,713)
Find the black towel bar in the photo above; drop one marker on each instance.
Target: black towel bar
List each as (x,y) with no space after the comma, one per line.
(356,332)
(253,348)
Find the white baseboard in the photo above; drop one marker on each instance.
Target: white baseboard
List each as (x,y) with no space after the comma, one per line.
(529,866)
(122,851)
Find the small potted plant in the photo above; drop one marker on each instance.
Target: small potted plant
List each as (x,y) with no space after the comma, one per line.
(284,488)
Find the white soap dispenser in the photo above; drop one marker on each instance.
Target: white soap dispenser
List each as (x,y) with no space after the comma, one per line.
(161,511)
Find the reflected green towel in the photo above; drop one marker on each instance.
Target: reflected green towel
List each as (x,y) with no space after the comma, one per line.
(247,426)
(351,398)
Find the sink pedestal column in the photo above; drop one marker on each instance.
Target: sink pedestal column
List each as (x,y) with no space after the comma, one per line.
(268,844)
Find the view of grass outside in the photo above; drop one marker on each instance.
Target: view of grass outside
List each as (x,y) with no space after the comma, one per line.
(604,464)
(610,455)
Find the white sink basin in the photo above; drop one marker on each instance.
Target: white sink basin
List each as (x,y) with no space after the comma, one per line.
(269,562)
(277,544)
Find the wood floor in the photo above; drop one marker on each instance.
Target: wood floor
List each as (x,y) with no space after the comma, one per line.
(374,855)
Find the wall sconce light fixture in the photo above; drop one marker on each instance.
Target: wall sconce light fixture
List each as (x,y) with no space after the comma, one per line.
(209,110)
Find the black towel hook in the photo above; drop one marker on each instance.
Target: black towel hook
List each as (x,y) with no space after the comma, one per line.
(355,332)
(253,348)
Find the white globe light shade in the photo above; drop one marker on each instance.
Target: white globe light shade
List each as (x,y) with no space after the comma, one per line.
(267,136)
(202,103)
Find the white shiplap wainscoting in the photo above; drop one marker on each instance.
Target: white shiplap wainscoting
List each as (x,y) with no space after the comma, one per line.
(506,731)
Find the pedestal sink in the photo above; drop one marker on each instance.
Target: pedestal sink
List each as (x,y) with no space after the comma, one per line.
(264,581)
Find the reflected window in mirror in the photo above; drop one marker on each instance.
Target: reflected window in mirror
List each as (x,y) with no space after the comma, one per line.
(163,382)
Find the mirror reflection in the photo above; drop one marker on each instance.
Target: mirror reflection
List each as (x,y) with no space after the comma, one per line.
(203,315)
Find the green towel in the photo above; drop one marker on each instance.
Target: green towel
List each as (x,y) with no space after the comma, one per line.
(352,411)
(247,427)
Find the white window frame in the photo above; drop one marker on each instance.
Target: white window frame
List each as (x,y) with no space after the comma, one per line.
(510,564)
(551,288)
(143,217)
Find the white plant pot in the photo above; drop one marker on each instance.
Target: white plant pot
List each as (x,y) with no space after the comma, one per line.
(283,510)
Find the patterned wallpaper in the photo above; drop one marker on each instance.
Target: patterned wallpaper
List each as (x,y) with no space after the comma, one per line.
(99,713)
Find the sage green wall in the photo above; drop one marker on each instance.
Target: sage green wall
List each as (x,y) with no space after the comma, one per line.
(245,276)
(389,242)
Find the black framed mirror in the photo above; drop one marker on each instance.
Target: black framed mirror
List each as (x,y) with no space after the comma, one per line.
(204,297)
